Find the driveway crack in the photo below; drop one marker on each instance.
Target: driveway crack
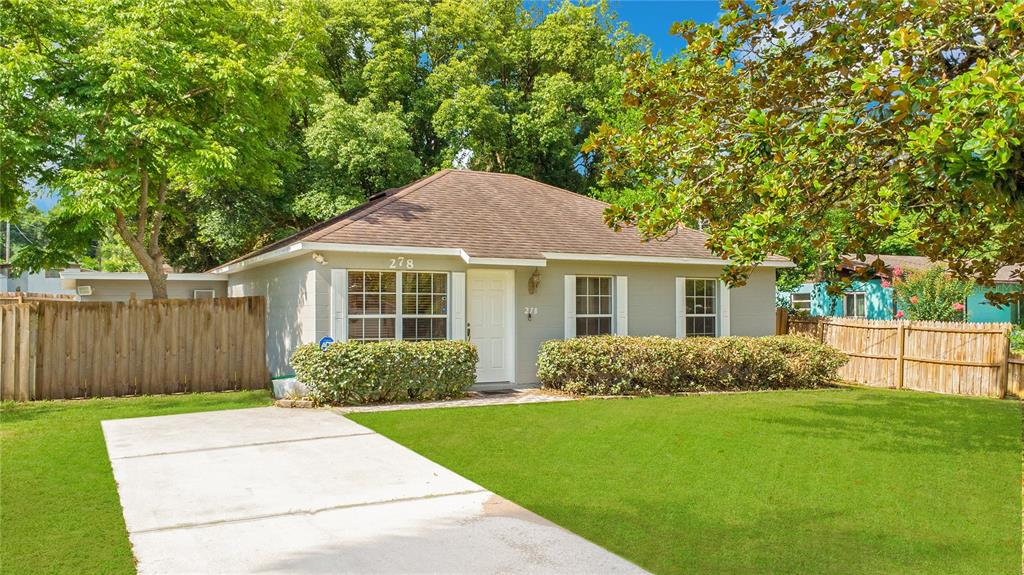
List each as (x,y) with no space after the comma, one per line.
(256,444)
(307,511)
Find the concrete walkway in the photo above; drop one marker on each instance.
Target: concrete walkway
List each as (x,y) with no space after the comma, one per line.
(513,397)
(273,490)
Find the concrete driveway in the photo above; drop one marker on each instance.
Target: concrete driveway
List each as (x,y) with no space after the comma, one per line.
(273,490)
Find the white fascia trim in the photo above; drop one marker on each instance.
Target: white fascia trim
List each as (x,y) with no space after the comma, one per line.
(273,255)
(654,260)
(505,262)
(299,248)
(137,276)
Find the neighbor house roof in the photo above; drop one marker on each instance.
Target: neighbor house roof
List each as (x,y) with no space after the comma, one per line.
(1005,274)
(490,216)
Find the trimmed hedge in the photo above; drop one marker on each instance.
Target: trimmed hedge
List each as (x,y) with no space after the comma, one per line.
(617,365)
(385,372)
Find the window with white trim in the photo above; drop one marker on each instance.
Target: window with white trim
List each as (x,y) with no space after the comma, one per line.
(800,301)
(700,300)
(203,294)
(372,305)
(855,304)
(424,306)
(593,305)
(385,305)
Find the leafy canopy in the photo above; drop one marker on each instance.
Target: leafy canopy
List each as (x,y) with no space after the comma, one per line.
(135,106)
(817,127)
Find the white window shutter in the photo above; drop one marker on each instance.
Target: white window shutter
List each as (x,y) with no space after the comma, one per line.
(724,327)
(339,305)
(621,307)
(570,307)
(680,307)
(458,305)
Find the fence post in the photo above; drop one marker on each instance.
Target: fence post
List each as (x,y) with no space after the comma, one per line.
(901,334)
(1004,369)
(781,321)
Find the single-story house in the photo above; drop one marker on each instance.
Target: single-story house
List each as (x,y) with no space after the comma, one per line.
(41,282)
(874,298)
(500,260)
(92,285)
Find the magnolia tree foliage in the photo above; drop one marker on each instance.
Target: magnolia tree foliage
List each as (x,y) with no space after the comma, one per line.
(131,107)
(819,127)
(932,296)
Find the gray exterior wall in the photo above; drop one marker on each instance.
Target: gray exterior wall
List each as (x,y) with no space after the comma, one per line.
(650,300)
(298,293)
(122,290)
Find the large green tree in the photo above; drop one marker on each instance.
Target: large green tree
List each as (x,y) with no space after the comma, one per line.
(133,106)
(816,127)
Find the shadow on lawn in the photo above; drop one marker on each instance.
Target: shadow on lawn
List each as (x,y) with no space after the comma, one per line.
(121,407)
(911,422)
(694,544)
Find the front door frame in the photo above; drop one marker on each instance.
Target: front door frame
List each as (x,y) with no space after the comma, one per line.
(510,317)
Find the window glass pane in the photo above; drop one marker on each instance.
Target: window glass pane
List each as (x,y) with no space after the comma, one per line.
(387,304)
(698,326)
(581,305)
(355,329)
(605,303)
(355,304)
(424,328)
(355,282)
(388,282)
(372,303)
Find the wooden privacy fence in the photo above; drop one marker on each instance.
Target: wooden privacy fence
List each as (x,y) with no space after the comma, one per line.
(64,349)
(23,296)
(944,357)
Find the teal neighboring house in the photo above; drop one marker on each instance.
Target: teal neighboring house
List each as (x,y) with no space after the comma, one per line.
(872,300)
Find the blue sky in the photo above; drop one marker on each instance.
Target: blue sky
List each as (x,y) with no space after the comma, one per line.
(652,18)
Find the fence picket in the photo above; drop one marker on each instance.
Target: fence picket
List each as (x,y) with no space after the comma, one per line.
(62,349)
(944,357)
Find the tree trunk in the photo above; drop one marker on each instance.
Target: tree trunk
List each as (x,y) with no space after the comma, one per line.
(153,266)
(150,256)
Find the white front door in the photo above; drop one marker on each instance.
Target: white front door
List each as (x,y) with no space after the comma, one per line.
(490,312)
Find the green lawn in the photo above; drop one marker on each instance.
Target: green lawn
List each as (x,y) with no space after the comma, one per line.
(59,511)
(831,481)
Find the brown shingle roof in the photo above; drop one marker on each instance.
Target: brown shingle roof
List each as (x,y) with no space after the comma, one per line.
(493,215)
(1005,274)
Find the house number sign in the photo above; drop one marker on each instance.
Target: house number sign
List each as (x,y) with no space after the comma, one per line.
(400,263)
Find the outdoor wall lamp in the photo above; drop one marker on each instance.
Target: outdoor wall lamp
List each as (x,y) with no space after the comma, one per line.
(534,282)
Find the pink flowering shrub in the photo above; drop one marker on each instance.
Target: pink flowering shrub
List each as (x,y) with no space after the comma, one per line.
(933,296)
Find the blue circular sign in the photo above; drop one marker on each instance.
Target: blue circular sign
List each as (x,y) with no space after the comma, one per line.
(325,341)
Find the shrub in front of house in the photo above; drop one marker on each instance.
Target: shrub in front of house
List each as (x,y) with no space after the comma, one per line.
(385,372)
(617,365)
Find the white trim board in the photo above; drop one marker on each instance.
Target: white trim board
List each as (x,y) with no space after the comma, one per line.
(139,276)
(298,248)
(654,260)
